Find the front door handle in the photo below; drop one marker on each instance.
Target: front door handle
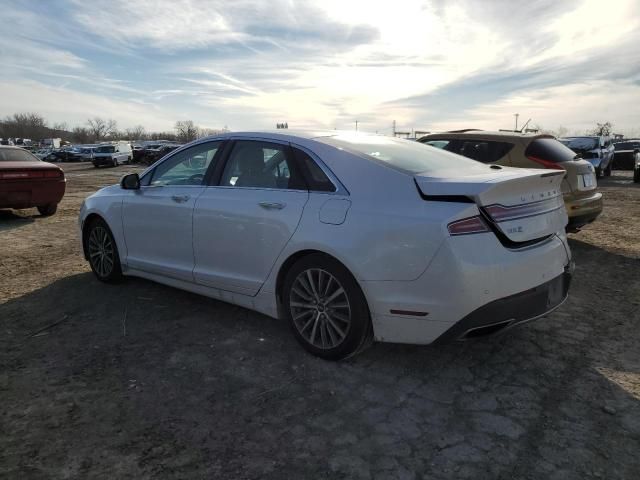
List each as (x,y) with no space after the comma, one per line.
(272,205)
(180,198)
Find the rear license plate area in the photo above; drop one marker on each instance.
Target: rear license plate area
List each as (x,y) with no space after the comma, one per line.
(588,180)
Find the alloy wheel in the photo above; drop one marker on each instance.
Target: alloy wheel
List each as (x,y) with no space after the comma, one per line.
(101,251)
(320,308)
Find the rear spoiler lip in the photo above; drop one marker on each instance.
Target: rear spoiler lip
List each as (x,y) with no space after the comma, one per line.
(554,173)
(443,198)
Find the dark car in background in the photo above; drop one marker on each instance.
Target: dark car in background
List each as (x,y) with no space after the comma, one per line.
(597,150)
(26,181)
(626,153)
(63,155)
(157,152)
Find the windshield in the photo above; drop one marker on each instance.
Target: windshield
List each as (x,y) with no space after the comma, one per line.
(16,155)
(581,143)
(106,149)
(412,157)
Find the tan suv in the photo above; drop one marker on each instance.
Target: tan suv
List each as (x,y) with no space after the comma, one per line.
(582,201)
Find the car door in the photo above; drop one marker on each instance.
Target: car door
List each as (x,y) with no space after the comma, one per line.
(243,222)
(158,218)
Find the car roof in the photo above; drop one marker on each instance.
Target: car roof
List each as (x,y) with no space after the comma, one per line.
(287,134)
(486,135)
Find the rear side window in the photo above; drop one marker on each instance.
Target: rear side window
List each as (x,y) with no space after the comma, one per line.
(484,151)
(316,178)
(438,143)
(549,149)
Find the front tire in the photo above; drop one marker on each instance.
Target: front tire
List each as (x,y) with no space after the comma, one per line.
(115,162)
(598,172)
(102,251)
(48,210)
(326,308)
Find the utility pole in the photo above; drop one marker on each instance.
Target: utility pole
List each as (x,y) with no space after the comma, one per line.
(516,115)
(394,128)
(356,125)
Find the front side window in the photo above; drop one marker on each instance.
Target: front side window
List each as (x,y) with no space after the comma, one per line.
(187,167)
(261,165)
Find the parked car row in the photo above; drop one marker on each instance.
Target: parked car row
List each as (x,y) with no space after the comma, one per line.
(148,153)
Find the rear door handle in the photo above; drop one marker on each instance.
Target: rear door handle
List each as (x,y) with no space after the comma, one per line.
(272,205)
(180,198)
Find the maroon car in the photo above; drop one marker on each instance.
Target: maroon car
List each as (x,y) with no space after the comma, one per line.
(27,182)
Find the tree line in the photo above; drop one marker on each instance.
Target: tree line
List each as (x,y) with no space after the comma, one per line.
(96,129)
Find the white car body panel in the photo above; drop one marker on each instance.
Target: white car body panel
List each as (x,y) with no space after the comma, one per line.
(158,230)
(256,222)
(395,244)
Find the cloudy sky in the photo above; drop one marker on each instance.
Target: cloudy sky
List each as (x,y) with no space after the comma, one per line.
(246,64)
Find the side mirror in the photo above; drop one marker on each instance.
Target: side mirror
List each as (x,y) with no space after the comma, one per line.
(130,182)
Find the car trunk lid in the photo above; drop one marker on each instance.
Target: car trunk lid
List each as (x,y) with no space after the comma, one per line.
(521,204)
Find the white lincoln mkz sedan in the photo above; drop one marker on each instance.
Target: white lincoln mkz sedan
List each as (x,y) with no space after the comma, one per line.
(350,237)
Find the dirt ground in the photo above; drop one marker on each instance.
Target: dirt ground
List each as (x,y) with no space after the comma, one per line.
(143,381)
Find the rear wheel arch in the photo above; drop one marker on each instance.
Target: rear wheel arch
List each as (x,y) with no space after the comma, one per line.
(293,259)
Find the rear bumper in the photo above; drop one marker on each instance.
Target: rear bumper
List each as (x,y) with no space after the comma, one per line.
(511,311)
(468,273)
(31,194)
(583,210)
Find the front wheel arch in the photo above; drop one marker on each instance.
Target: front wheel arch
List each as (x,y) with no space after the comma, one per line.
(85,230)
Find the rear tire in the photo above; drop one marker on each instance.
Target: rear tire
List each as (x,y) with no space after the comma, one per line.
(607,171)
(636,175)
(102,251)
(598,172)
(48,210)
(115,162)
(326,308)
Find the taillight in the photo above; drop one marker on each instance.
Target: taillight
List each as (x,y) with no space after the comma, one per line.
(53,173)
(29,174)
(467,226)
(545,163)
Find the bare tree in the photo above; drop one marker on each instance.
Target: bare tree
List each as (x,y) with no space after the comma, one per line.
(135,133)
(603,129)
(25,125)
(82,135)
(101,128)
(186,130)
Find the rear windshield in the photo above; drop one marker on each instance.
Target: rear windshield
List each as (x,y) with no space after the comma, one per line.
(405,155)
(581,143)
(106,149)
(550,149)
(16,155)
